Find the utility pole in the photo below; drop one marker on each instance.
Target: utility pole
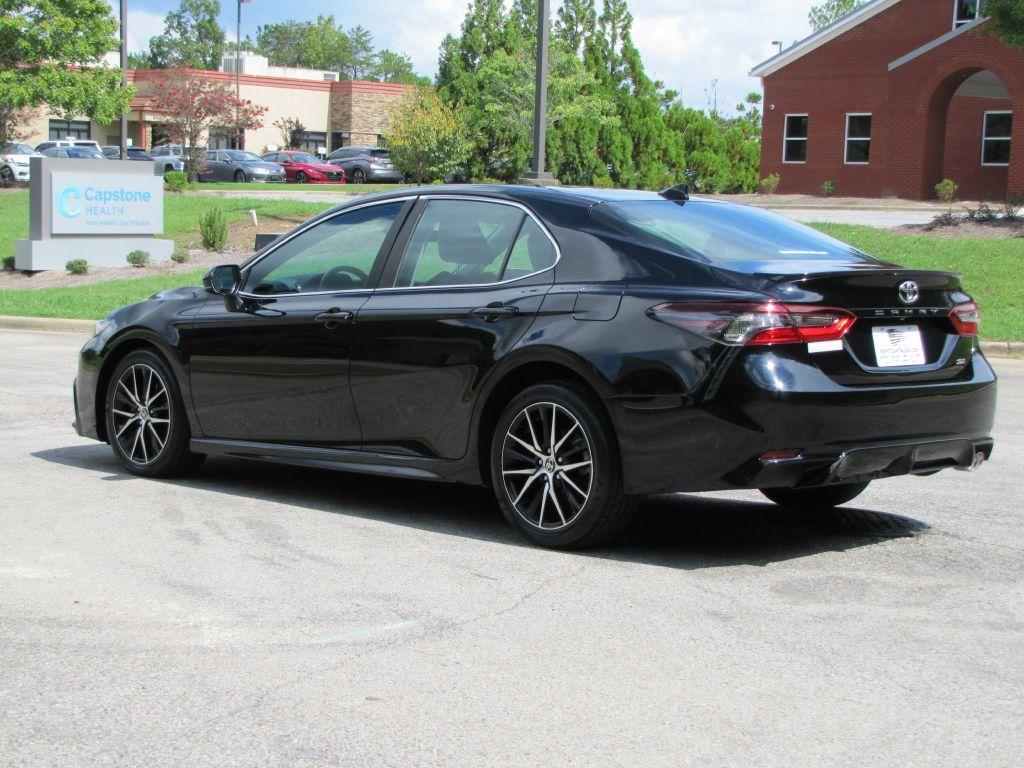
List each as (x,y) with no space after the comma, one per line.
(537,175)
(238,67)
(124,75)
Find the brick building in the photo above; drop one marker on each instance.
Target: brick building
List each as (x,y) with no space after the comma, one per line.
(335,113)
(891,99)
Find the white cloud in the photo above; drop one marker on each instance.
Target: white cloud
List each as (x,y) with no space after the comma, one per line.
(142,25)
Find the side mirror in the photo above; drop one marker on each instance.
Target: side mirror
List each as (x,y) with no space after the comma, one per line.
(224,280)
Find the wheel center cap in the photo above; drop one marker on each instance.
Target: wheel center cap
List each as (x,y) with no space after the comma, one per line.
(549,465)
(144,413)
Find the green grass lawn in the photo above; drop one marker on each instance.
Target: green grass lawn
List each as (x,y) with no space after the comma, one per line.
(990,266)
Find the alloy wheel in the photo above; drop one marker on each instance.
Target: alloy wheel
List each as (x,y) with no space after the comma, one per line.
(141,411)
(547,466)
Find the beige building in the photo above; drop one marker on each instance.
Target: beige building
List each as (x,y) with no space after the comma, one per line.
(334,113)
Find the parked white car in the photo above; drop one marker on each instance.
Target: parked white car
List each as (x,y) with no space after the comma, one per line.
(14,162)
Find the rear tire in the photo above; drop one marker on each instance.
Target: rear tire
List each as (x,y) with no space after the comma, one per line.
(825,497)
(145,415)
(560,487)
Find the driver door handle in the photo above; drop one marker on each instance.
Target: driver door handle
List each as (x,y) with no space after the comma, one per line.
(495,312)
(334,317)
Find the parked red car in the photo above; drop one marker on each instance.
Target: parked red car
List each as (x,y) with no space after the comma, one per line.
(304,168)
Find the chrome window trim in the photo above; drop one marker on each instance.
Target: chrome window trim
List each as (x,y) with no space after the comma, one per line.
(479,199)
(303,228)
(471,198)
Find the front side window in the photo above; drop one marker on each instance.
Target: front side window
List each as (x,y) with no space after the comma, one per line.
(69,129)
(795,139)
(858,139)
(338,254)
(995,139)
(966,12)
(468,242)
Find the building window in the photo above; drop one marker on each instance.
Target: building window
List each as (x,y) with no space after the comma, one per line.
(795,139)
(69,129)
(966,11)
(995,138)
(858,139)
(340,139)
(313,142)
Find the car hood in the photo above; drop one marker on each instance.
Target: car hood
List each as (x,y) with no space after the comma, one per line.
(185,292)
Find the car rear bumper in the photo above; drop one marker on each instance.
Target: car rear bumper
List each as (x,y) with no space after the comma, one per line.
(800,428)
(384,174)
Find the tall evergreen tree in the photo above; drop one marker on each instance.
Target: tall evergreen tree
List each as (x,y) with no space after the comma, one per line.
(192,37)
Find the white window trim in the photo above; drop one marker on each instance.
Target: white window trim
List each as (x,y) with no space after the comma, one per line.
(957,23)
(786,139)
(984,138)
(848,138)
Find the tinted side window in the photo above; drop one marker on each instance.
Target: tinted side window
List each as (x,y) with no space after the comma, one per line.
(459,242)
(337,254)
(532,252)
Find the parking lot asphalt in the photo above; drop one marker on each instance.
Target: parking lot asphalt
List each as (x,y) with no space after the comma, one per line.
(256,615)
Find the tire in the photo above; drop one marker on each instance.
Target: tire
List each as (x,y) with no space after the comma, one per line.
(825,497)
(240,177)
(6,176)
(588,505)
(358,176)
(300,178)
(154,441)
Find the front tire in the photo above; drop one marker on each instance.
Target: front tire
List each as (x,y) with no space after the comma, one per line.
(555,468)
(301,178)
(825,497)
(358,176)
(239,177)
(146,422)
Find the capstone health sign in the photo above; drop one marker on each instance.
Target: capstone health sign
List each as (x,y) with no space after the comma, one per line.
(106,204)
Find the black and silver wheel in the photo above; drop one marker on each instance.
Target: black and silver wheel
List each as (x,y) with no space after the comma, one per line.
(6,176)
(824,497)
(358,176)
(556,470)
(301,178)
(146,423)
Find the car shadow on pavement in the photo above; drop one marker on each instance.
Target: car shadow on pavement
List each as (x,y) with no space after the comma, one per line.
(675,530)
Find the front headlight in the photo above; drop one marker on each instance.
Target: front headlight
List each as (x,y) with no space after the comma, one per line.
(102,326)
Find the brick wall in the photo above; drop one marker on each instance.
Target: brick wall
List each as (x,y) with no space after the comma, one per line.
(962,158)
(908,105)
(363,110)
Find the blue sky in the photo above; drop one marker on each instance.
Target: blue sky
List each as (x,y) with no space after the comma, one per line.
(686,43)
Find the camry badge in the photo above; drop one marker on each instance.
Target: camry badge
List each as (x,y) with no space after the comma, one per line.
(909,292)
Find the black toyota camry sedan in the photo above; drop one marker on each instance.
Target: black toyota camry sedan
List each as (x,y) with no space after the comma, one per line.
(572,349)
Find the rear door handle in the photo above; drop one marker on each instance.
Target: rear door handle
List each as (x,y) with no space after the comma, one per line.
(334,317)
(494,313)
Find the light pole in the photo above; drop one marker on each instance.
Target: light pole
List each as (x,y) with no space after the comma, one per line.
(124,75)
(537,174)
(238,67)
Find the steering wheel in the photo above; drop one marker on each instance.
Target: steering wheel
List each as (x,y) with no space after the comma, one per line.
(358,273)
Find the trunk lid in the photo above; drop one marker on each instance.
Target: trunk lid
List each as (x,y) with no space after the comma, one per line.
(894,307)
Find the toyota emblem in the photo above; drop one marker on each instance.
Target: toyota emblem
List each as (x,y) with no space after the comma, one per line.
(909,292)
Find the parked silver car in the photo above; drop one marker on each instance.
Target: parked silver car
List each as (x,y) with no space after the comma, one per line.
(168,158)
(238,165)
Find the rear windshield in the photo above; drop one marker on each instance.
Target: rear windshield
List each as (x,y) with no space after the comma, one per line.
(379,153)
(737,237)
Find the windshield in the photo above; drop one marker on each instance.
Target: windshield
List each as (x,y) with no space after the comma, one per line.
(304,157)
(381,153)
(17,148)
(242,157)
(737,236)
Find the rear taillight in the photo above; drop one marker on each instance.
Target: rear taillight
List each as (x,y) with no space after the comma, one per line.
(742,323)
(966,318)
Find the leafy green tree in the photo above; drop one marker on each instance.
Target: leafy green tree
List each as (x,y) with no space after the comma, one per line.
(392,67)
(281,43)
(829,11)
(1007,21)
(426,140)
(51,54)
(575,24)
(192,37)
(324,45)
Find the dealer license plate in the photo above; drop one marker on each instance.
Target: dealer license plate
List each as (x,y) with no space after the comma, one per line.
(898,346)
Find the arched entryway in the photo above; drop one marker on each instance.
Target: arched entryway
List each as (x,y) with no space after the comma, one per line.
(970,116)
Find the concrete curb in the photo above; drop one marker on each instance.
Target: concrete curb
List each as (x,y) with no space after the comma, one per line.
(58,324)
(1001,349)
